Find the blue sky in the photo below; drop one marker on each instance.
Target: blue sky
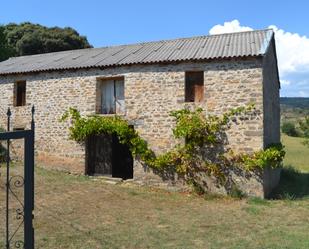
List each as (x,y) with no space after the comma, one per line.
(120,22)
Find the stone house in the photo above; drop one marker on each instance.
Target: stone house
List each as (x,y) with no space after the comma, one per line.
(143,82)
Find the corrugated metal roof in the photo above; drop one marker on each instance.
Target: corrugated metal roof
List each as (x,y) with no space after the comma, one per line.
(242,44)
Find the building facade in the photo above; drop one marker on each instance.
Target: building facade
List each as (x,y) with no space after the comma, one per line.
(145,92)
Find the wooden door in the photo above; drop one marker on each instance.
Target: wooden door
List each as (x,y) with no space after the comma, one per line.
(99,154)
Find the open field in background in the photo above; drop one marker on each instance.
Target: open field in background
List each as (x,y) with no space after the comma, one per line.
(297,154)
(77,212)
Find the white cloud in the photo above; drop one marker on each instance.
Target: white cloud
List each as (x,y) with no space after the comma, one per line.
(228,27)
(292,50)
(292,53)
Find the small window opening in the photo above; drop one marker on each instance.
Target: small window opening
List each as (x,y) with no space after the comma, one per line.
(20,93)
(194,86)
(111,96)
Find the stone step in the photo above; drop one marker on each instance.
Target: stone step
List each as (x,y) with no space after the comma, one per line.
(108,179)
(110,182)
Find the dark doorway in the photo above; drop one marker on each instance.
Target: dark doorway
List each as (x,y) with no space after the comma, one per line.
(105,155)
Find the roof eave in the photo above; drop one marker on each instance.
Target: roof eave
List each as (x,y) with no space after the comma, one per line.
(132,64)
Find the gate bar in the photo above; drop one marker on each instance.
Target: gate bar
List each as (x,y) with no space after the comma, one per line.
(8,180)
(29,187)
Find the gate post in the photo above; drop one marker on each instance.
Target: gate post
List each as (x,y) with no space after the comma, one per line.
(29,187)
(8,180)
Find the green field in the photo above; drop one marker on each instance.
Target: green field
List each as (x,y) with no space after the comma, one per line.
(297,154)
(294,182)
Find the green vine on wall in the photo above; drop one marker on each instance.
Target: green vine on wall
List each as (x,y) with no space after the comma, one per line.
(199,131)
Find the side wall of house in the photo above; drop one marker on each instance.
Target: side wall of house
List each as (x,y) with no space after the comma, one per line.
(271,88)
(151,92)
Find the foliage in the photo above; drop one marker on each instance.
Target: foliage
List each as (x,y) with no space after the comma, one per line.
(5,50)
(27,39)
(270,157)
(304,127)
(289,129)
(199,131)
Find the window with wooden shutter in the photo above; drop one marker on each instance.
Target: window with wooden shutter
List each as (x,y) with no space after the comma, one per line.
(194,86)
(20,93)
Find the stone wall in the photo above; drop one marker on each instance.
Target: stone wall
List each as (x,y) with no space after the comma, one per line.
(151,92)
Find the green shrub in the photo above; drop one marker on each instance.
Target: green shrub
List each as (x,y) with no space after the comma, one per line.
(270,157)
(304,127)
(289,129)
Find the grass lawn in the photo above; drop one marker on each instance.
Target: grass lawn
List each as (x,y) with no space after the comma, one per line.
(297,154)
(76,212)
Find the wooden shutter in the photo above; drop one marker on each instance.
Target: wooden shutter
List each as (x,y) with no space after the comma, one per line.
(194,86)
(20,93)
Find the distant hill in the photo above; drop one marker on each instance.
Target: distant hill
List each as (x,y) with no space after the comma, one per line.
(293,109)
(295,102)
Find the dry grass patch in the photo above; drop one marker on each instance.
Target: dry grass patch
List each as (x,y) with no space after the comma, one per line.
(76,212)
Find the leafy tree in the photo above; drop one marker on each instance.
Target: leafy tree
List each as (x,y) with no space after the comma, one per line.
(304,127)
(28,38)
(289,129)
(5,50)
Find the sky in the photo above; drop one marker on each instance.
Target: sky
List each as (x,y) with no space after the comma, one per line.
(122,22)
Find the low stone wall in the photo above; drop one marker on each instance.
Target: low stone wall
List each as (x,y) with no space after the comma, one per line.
(146,176)
(259,183)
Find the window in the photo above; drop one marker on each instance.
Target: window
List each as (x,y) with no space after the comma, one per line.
(111,96)
(20,93)
(194,86)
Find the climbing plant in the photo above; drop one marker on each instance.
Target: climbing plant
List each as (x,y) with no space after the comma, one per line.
(199,131)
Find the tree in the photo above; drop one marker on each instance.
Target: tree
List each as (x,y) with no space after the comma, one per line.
(28,38)
(5,50)
(304,127)
(289,129)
